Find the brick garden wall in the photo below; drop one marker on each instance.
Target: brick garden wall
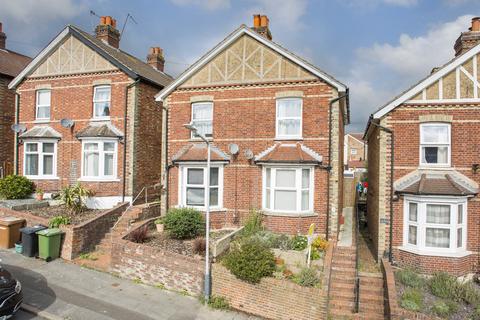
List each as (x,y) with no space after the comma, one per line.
(271,298)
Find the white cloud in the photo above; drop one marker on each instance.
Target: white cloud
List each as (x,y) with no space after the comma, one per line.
(373,3)
(382,71)
(206,4)
(30,11)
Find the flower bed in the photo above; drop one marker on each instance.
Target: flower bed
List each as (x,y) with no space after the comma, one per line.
(49,212)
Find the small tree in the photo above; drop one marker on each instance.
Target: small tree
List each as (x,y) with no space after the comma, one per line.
(75,197)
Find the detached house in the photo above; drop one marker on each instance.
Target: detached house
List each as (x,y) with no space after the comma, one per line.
(87,114)
(423,164)
(11,63)
(276,125)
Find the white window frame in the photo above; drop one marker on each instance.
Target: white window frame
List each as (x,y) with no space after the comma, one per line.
(298,188)
(182,186)
(277,120)
(38,105)
(353,151)
(101,158)
(448,145)
(422,225)
(41,155)
(100,101)
(192,121)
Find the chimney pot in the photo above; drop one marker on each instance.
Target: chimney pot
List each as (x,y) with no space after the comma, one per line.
(102,20)
(256,20)
(260,25)
(3,37)
(476,24)
(1,27)
(107,32)
(264,21)
(155,58)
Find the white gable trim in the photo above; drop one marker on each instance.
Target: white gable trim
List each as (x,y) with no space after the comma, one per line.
(427,82)
(229,40)
(361,141)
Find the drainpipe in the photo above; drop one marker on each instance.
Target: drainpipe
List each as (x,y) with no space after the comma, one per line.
(17,112)
(167,166)
(329,167)
(125,136)
(392,151)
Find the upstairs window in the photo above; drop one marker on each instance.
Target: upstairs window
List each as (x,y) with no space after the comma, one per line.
(43,105)
(101,102)
(353,151)
(289,118)
(202,118)
(435,144)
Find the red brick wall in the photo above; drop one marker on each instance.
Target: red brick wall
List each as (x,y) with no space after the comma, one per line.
(464,153)
(7,118)
(245,115)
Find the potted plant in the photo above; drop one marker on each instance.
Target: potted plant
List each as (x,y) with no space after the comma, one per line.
(39,194)
(159,224)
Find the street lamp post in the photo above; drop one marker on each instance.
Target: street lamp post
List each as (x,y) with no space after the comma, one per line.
(207,288)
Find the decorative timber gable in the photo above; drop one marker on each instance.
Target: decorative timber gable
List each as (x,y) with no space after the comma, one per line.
(245,61)
(71,57)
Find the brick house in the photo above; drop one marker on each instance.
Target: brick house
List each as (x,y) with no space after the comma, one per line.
(426,215)
(276,145)
(11,63)
(355,151)
(90,115)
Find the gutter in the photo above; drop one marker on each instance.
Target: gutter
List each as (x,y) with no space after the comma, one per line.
(392,150)
(329,167)
(125,135)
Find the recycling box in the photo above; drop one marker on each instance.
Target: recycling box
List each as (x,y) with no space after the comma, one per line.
(10,231)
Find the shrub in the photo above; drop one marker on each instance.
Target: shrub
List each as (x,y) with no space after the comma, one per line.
(253,224)
(184,223)
(58,221)
(412,299)
(471,294)
(410,278)
(16,187)
(308,277)
(445,286)
(158,221)
(273,240)
(218,302)
(315,255)
(299,243)
(444,308)
(250,261)
(320,244)
(199,245)
(74,197)
(139,235)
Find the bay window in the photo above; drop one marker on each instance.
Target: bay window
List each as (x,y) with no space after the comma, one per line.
(99,160)
(435,226)
(435,144)
(43,105)
(289,118)
(202,118)
(193,186)
(288,189)
(40,158)
(101,101)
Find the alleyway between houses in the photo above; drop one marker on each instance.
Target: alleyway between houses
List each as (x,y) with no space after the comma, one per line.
(72,292)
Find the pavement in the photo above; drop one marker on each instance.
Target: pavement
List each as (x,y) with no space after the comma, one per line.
(345,235)
(61,290)
(24,315)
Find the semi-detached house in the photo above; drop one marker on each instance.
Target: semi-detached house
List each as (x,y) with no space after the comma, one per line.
(276,125)
(424,168)
(87,114)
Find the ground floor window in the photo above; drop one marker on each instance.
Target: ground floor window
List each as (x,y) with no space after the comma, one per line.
(40,159)
(288,189)
(193,186)
(435,225)
(99,159)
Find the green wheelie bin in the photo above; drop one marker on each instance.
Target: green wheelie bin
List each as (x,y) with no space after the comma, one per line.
(49,241)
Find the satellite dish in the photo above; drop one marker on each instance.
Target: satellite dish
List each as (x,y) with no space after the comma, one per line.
(19,128)
(233,148)
(248,154)
(67,123)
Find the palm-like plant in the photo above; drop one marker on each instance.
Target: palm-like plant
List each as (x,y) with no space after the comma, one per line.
(74,197)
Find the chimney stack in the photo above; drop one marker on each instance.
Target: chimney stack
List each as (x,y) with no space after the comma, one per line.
(155,58)
(107,31)
(260,25)
(3,37)
(468,39)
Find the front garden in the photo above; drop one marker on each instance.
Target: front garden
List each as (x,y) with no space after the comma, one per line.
(440,295)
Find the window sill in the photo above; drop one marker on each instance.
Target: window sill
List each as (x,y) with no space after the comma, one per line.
(99,119)
(435,167)
(41,121)
(458,254)
(84,179)
(289,214)
(41,178)
(202,209)
(288,139)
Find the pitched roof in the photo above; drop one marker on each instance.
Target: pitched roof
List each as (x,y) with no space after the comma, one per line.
(357,164)
(41,132)
(103,130)
(424,182)
(358,136)
(243,29)
(11,63)
(131,65)
(198,152)
(289,153)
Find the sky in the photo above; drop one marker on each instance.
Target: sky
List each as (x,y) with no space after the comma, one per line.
(378,48)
